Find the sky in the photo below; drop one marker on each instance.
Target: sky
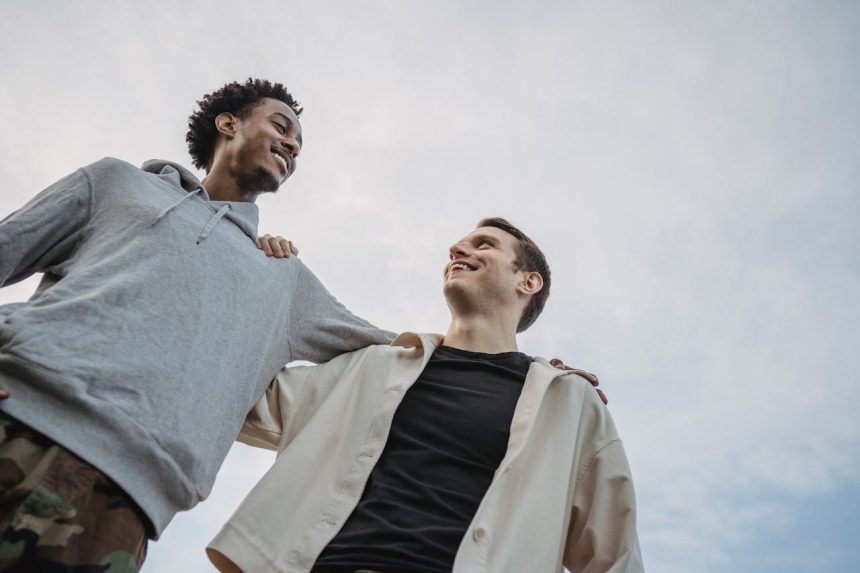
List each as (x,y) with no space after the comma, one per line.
(690,169)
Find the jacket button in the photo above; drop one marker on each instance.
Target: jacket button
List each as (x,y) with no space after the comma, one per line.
(478,533)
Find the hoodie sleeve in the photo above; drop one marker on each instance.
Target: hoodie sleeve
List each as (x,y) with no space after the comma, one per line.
(46,230)
(602,536)
(322,328)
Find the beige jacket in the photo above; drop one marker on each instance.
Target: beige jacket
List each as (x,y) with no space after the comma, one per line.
(562,495)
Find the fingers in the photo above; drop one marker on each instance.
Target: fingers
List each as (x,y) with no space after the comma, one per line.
(3,394)
(587,375)
(278,244)
(263,243)
(277,247)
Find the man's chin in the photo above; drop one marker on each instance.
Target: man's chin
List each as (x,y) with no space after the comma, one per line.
(261,181)
(451,289)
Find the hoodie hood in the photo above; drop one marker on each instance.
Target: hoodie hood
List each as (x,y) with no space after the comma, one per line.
(244,215)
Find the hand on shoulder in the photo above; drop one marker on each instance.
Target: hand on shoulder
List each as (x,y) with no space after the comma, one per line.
(277,247)
(587,375)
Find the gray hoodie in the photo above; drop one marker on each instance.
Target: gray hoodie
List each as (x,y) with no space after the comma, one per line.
(157,325)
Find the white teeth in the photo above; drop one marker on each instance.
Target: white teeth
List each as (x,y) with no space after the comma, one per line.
(460,266)
(281,160)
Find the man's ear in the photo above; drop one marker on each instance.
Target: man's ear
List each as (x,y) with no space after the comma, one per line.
(530,283)
(226,124)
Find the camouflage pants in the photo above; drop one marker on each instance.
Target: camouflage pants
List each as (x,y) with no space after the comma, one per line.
(58,514)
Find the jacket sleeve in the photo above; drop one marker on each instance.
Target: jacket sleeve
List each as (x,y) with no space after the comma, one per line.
(46,230)
(602,534)
(265,424)
(322,328)
(292,399)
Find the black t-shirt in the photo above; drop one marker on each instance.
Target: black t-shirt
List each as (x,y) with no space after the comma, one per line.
(447,439)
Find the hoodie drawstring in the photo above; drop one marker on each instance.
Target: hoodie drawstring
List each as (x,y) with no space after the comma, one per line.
(167,210)
(212,222)
(209,226)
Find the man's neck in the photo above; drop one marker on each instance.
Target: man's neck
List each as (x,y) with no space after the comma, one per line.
(221,187)
(481,334)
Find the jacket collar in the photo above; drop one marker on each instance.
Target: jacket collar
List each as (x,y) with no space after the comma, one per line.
(428,341)
(540,376)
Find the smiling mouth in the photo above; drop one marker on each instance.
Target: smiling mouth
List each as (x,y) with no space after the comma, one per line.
(282,161)
(457,267)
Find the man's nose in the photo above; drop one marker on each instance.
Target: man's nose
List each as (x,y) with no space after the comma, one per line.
(458,249)
(292,146)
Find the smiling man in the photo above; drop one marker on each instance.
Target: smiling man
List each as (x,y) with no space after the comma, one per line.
(157,325)
(440,454)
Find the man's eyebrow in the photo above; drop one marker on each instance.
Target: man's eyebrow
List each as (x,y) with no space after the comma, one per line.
(289,122)
(487,239)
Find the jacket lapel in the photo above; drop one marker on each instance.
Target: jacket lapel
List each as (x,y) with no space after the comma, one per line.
(540,375)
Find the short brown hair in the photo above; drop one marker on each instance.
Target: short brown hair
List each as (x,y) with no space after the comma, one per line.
(530,259)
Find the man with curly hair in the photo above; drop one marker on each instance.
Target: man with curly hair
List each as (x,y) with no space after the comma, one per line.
(158,323)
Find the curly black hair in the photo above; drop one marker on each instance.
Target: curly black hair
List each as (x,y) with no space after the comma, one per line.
(234,98)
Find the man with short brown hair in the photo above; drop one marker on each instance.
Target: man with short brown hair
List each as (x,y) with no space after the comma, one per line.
(440,454)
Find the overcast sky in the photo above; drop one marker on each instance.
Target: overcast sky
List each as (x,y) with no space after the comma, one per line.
(691,169)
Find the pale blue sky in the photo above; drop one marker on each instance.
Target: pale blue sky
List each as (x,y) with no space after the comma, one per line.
(691,169)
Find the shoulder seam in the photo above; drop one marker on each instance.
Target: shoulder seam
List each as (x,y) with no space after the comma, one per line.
(590,464)
(89,194)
